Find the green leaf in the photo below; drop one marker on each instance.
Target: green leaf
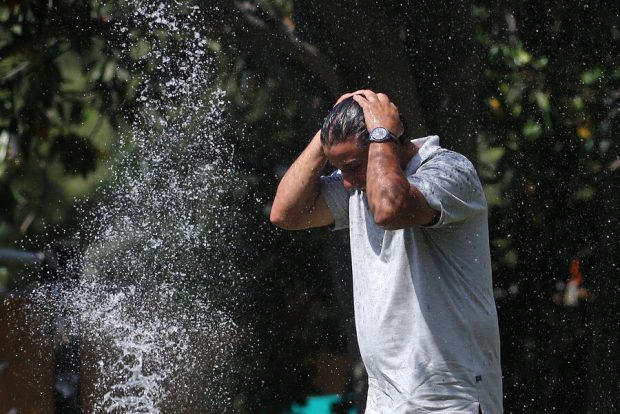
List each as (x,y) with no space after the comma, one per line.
(578,103)
(480,12)
(542,100)
(214,45)
(109,71)
(532,129)
(521,57)
(514,94)
(540,63)
(4,144)
(585,193)
(4,278)
(492,155)
(590,76)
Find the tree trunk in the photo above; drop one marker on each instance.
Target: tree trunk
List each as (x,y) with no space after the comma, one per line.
(447,62)
(367,49)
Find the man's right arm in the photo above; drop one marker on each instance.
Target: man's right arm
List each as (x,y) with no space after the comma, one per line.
(298,203)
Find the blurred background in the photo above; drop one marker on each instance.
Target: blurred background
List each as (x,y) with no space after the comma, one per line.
(528,90)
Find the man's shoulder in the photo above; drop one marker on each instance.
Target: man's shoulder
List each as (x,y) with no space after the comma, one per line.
(450,184)
(445,159)
(431,154)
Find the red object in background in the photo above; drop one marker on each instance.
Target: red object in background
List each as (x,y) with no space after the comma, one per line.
(575,272)
(573,291)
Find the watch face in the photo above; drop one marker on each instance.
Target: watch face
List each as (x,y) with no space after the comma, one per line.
(379,134)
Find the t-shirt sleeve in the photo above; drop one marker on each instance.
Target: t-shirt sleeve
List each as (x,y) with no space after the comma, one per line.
(337,199)
(450,184)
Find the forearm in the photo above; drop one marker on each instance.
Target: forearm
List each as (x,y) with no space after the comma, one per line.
(386,185)
(393,201)
(299,189)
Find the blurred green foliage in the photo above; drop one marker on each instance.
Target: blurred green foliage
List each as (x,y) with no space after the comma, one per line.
(60,93)
(547,143)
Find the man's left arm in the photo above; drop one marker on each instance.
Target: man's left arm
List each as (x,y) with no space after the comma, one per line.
(393,201)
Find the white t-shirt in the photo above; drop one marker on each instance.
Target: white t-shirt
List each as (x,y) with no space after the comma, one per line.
(424,308)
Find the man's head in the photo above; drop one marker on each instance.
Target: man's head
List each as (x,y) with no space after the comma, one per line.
(344,137)
(345,142)
(345,122)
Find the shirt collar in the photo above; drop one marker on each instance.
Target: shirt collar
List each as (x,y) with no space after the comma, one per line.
(427,146)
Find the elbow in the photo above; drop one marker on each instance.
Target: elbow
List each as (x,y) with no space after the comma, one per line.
(386,216)
(385,210)
(275,220)
(387,205)
(278,218)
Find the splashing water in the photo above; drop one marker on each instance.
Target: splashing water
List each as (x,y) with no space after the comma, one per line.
(150,306)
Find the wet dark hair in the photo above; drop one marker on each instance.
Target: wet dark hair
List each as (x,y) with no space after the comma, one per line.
(345,121)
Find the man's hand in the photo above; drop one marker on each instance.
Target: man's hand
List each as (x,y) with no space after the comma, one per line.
(378,111)
(345,96)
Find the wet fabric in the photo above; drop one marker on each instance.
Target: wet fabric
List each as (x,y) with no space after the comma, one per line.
(424,309)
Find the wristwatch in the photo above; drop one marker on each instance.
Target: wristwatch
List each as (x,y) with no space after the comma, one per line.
(381,134)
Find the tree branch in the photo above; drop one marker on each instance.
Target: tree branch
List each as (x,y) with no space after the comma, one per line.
(287,44)
(10,75)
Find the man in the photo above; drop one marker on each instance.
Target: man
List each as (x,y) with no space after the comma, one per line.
(424,309)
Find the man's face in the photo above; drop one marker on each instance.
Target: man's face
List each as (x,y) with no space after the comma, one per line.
(351,160)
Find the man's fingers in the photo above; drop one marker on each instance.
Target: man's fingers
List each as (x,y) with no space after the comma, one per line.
(368,94)
(383,97)
(361,100)
(343,97)
(361,91)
